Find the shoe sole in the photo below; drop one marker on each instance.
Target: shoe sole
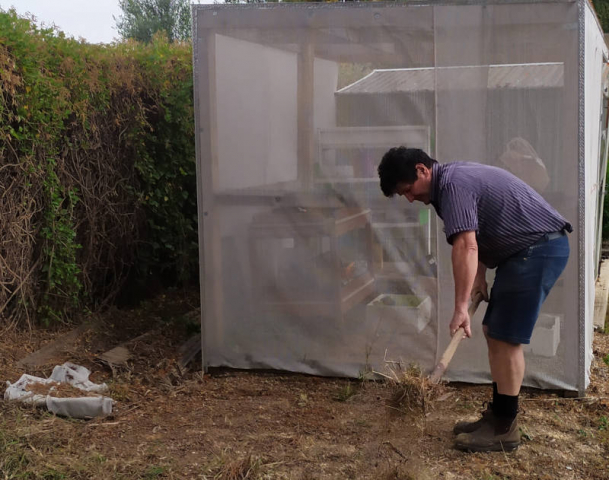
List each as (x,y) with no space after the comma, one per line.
(502,447)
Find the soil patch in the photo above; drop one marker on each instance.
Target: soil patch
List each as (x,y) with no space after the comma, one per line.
(175,423)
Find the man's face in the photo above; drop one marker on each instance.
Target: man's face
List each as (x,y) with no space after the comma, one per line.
(420,189)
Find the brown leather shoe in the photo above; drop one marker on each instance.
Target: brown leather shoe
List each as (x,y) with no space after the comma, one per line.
(495,434)
(469,427)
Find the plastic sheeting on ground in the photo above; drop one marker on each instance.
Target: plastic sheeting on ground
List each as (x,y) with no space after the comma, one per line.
(76,407)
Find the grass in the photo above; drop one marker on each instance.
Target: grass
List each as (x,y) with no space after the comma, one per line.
(154,472)
(52,475)
(226,466)
(397,473)
(14,457)
(303,400)
(119,391)
(23,446)
(412,390)
(346,392)
(37,445)
(525,434)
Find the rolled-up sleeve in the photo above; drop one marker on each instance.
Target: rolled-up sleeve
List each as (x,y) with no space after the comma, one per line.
(459,210)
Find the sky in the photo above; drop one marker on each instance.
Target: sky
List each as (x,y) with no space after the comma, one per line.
(89,19)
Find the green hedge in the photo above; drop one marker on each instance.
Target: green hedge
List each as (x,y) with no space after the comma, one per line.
(97,169)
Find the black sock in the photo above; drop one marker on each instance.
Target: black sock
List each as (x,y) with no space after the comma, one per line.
(505,406)
(495,392)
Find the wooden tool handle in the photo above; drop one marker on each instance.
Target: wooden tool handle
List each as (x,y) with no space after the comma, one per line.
(447,356)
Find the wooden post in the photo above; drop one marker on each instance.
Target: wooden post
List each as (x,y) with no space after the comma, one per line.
(210,244)
(305,125)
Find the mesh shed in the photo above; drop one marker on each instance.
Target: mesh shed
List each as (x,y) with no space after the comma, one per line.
(305,266)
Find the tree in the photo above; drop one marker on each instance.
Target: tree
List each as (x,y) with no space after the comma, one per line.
(141,19)
(602,11)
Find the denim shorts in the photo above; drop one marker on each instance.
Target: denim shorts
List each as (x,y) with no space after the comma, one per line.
(522,283)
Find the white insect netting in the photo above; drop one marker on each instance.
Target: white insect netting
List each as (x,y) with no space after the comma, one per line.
(306,266)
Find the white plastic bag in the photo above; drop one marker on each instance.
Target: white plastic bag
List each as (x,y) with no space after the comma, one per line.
(77,376)
(19,390)
(76,407)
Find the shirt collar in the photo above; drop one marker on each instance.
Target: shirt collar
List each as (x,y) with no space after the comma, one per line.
(436,174)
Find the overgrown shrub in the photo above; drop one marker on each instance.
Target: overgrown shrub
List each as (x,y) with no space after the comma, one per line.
(97,169)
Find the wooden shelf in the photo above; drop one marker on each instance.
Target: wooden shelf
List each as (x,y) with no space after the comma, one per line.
(288,222)
(334,298)
(350,295)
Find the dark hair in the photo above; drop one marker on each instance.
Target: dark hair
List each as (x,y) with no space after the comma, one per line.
(398,165)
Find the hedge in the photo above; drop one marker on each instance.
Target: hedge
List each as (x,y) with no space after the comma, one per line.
(97,169)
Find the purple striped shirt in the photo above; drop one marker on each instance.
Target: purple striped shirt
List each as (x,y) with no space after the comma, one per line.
(506,214)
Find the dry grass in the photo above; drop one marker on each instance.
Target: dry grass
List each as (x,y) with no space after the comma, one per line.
(397,473)
(412,390)
(231,425)
(241,469)
(229,466)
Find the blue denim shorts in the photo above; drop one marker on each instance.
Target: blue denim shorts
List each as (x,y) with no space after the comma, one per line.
(522,283)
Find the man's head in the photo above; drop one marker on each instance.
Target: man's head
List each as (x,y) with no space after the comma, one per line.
(406,172)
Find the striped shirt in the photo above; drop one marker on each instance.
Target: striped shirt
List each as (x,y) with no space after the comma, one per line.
(506,214)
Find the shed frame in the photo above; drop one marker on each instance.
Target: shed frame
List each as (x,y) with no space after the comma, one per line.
(301,29)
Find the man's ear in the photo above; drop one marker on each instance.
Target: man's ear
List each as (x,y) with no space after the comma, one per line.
(422,169)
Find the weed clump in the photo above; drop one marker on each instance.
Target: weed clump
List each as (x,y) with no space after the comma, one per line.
(227,467)
(412,391)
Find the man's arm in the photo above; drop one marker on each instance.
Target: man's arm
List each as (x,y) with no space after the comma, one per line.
(465,267)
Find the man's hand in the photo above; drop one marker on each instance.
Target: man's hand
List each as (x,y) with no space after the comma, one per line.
(480,284)
(460,319)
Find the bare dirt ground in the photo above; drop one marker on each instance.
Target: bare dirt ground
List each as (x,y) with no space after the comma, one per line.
(169,423)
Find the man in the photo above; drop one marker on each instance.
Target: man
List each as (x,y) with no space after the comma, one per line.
(492,219)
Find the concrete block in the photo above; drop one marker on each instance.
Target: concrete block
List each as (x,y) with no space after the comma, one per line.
(546,336)
(394,312)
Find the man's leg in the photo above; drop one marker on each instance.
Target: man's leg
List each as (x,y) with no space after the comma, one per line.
(507,365)
(472,426)
(507,369)
(521,285)
(498,429)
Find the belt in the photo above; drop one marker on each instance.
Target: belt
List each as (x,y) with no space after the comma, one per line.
(551,236)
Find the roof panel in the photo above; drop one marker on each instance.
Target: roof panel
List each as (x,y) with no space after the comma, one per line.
(533,75)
